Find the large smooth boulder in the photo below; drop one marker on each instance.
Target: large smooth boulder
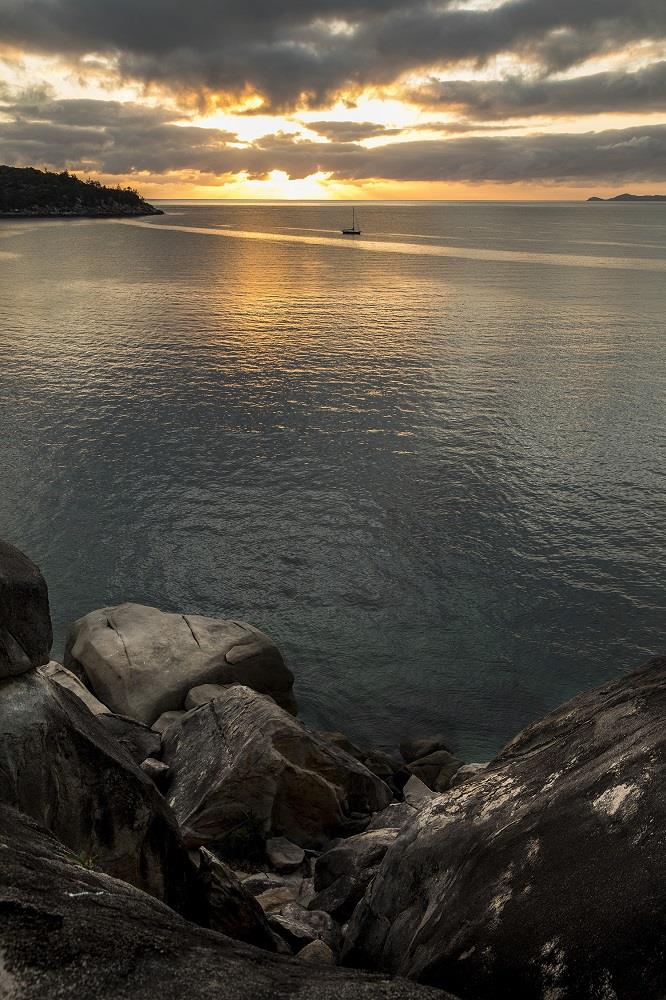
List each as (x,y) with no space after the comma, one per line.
(543,876)
(72,933)
(26,634)
(241,759)
(59,765)
(142,662)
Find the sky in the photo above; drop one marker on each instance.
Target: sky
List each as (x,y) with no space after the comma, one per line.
(483,99)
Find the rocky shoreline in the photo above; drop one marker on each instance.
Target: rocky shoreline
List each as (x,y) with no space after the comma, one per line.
(170,828)
(111,212)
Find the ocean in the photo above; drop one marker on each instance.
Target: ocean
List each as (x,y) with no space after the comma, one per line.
(428,461)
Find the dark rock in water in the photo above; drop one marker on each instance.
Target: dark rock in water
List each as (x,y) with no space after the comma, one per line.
(232,909)
(341,741)
(343,874)
(435,770)
(138,740)
(142,662)
(75,934)
(242,760)
(58,765)
(412,750)
(544,876)
(25,620)
(299,927)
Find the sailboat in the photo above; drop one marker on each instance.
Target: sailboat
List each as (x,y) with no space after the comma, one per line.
(354,230)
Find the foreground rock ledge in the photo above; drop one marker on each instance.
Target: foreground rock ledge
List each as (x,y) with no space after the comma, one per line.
(544,875)
(72,933)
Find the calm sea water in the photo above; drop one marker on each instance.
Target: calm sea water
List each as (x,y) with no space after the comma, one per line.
(429,460)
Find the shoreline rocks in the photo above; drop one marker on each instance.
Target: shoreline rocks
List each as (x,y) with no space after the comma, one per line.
(241,759)
(543,875)
(71,932)
(538,875)
(142,662)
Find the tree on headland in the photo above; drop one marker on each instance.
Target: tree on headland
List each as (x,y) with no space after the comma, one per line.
(28,191)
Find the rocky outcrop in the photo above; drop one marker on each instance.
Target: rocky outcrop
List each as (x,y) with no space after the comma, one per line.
(241,759)
(25,621)
(142,662)
(343,873)
(543,876)
(70,932)
(232,909)
(65,678)
(299,927)
(58,765)
(137,740)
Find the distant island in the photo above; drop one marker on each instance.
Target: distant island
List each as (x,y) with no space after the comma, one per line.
(632,197)
(25,191)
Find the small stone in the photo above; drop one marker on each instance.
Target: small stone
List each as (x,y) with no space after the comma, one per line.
(273,899)
(317,951)
(299,926)
(260,882)
(284,855)
(156,770)
(417,793)
(165,720)
(204,693)
(393,817)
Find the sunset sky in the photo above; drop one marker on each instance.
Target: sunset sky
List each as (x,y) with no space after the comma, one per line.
(339,99)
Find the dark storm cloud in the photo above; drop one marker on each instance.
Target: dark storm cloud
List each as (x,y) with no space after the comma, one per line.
(112,138)
(300,51)
(643,90)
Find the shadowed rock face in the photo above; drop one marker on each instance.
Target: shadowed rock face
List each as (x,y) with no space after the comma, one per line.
(241,756)
(142,662)
(543,876)
(25,621)
(71,933)
(58,765)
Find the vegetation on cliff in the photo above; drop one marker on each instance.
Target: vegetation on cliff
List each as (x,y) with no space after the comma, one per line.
(27,191)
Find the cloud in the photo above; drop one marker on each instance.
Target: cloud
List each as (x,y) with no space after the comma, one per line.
(641,91)
(350,131)
(114,138)
(297,53)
